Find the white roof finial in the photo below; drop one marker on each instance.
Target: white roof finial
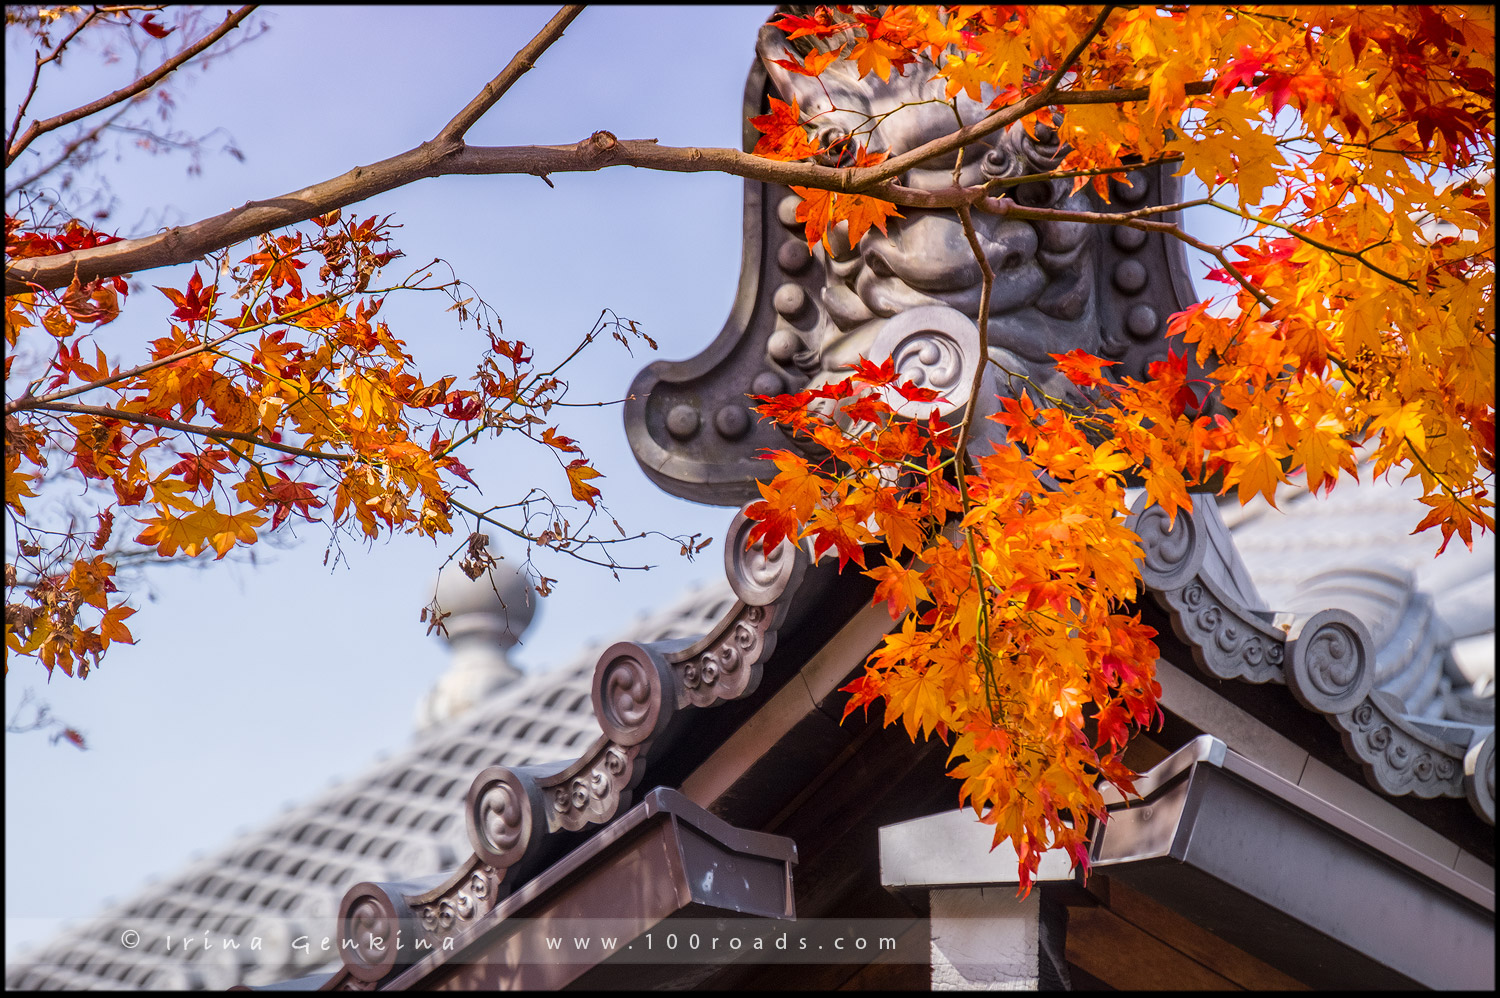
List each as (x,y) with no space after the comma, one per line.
(483,605)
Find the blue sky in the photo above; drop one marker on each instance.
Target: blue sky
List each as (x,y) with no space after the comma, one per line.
(254,687)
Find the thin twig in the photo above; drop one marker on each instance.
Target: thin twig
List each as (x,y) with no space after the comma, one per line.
(1357,255)
(151,79)
(36,73)
(1069,174)
(1005,207)
(514,70)
(67,151)
(960,450)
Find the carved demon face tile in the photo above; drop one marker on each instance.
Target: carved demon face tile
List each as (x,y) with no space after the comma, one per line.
(803,315)
(1043,296)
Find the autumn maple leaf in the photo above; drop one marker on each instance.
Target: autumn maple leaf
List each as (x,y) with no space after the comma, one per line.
(1083,369)
(149,26)
(813,63)
(861,212)
(1451,513)
(1255,466)
(70,735)
(815,213)
(774,523)
(785,137)
(819,25)
(579,474)
(1242,70)
(873,374)
(193,305)
(552,438)
(900,588)
(1020,415)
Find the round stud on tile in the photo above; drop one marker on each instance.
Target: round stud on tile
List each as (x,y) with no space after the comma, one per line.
(768,383)
(1130,276)
(786,211)
(732,422)
(1131,188)
(790,300)
(682,421)
(1128,239)
(783,345)
(793,256)
(1142,322)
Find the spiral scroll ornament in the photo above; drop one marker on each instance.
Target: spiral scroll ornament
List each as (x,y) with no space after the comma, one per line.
(1331,665)
(460,901)
(931,360)
(759,578)
(631,701)
(1172,551)
(372,942)
(1398,758)
(503,807)
(934,347)
(1226,643)
(1479,777)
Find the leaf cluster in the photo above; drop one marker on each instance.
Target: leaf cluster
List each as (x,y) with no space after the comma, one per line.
(1357,147)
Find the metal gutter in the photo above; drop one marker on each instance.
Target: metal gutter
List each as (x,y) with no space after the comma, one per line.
(662,856)
(1295,880)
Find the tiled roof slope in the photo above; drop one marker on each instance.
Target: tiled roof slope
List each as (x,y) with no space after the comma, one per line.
(404,819)
(401,819)
(1432,618)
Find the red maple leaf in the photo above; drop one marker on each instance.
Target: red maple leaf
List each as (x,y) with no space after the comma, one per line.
(1240,70)
(1081,368)
(149,25)
(193,305)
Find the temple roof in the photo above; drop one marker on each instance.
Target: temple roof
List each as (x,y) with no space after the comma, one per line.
(405,817)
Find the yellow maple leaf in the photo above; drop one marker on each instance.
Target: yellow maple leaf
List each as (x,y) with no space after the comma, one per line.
(1322,451)
(18,487)
(579,474)
(1255,466)
(916,697)
(235,527)
(170,533)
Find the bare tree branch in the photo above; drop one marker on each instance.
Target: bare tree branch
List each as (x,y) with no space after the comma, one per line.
(36,73)
(519,64)
(1131,219)
(141,85)
(212,432)
(67,150)
(601,150)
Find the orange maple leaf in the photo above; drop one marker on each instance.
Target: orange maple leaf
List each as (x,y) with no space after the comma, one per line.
(785,137)
(1451,513)
(815,212)
(900,588)
(1255,466)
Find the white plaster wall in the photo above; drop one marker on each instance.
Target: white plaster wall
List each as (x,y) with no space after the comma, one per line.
(985,939)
